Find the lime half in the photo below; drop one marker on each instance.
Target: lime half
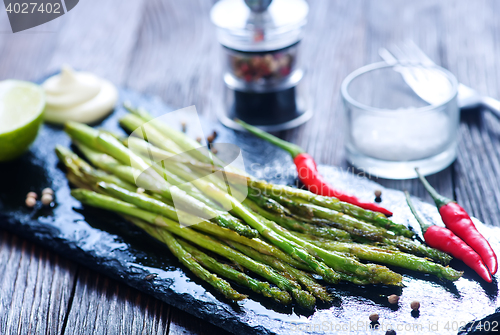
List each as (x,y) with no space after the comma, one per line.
(21,108)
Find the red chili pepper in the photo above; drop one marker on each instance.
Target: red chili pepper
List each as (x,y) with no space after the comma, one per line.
(309,176)
(308,171)
(458,221)
(445,240)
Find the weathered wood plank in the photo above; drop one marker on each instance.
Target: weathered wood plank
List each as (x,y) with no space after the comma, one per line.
(98,36)
(177,56)
(103,306)
(472,50)
(26,55)
(35,287)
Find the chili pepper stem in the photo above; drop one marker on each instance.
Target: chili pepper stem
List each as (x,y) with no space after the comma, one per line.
(438,198)
(293,149)
(424,226)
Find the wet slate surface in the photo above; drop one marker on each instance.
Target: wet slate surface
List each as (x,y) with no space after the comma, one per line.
(104,242)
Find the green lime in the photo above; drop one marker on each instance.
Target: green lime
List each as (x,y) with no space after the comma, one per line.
(21,110)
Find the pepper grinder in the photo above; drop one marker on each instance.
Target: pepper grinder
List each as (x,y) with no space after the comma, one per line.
(262,76)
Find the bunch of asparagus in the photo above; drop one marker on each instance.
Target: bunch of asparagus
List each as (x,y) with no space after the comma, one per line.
(276,242)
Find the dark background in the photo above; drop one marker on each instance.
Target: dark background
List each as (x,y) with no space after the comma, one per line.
(168,48)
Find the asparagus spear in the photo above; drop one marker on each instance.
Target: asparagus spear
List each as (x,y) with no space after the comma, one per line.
(184,142)
(79,166)
(155,153)
(305,299)
(255,243)
(146,149)
(162,150)
(325,232)
(333,203)
(151,134)
(91,175)
(203,224)
(157,133)
(127,173)
(108,144)
(226,271)
(302,277)
(301,208)
(183,172)
(295,225)
(189,261)
(187,144)
(89,141)
(362,229)
(295,247)
(160,168)
(275,206)
(362,273)
(419,249)
(291,248)
(268,204)
(302,248)
(158,207)
(77,181)
(85,134)
(263,288)
(141,172)
(119,137)
(384,256)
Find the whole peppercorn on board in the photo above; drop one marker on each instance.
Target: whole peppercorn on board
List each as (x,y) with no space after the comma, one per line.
(107,243)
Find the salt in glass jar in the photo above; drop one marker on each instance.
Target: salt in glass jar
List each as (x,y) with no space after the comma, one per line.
(390,130)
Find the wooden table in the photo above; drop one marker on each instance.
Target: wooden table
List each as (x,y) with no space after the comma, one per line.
(168,48)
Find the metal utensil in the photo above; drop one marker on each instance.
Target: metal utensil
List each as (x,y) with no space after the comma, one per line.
(417,71)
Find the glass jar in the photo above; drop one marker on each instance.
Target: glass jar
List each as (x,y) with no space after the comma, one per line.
(261,69)
(262,75)
(391,130)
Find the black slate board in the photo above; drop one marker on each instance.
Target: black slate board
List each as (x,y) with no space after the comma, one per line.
(104,242)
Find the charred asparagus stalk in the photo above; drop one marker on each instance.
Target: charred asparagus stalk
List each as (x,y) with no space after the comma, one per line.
(203,225)
(278,232)
(189,261)
(300,276)
(111,146)
(356,227)
(384,256)
(332,203)
(304,298)
(158,207)
(296,225)
(226,271)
